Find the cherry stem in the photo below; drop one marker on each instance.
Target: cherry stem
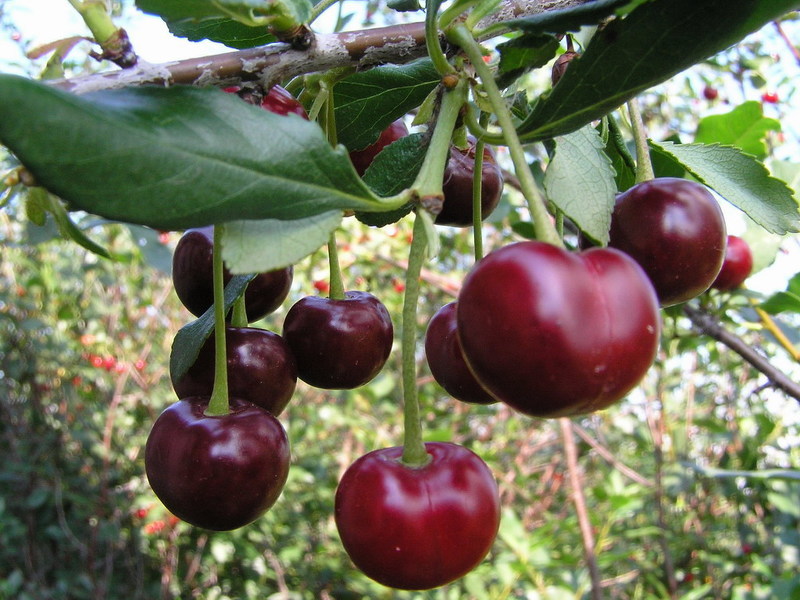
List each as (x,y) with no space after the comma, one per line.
(414,453)
(477,190)
(542,225)
(239,314)
(434,46)
(95,14)
(218,404)
(644,167)
(336,283)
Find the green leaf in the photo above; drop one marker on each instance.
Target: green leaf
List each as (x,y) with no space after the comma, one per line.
(394,168)
(259,246)
(742,180)
(788,301)
(202,20)
(580,181)
(190,338)
(174,158)
(368,102)
(744,127)
(525,52)
(653,43)
(66,227)
(567,19)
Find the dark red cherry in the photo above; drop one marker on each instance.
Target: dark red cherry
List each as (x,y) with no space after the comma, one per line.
(339,344)
(281,102)
(221,472)
(446,359)
(675,230)
(457,186)
(261,369)
(736,267)
(363,158)
(192,276)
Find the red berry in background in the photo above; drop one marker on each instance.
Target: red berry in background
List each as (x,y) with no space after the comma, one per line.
(261,369)
(737,265)
(281,102)
(770,97)
(219,472)
(339,344)
(446,359)
(96,361)
(710,93)
(139,365)
(417,528)
(362,159)
(457,186)
(192,276)
(675,230)
(109,362)
(322,286)
(554,333)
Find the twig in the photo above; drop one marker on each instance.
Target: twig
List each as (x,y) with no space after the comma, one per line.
(580,507)
(792,48)
(606,455)
(279,61)
(708,325)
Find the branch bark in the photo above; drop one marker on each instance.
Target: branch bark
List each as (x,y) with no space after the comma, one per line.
(708,325)
(277,62)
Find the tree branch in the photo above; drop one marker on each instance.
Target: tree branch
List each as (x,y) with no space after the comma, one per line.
(708,325)
(277,62)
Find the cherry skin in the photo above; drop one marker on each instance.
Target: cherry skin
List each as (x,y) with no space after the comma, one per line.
(554,333)
(457,186)
(736,267)
(219,472)
(192,276)
(362,159)
(417,528)
(339,344)
(261,369)
(675,230)
(710,93)
(446,359)
(278,100)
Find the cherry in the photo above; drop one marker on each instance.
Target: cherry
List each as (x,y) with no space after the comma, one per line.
(339,344)
(261,369)
(362,159)
(675,230)
(457,185)
(281,102)
(770,97)
(737,265)
(417,528)
(710,93)
(446,360)
(192,276)
(217,472)
(554,333)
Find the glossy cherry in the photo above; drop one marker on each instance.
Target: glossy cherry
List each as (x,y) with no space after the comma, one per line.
(710,93)
(339,344)
(192,276)
(446,360)
(417,528)
(457,185)
(554,333)
(362,159)
(261,369)
(278,100)
(217,473)
(675,230)
(736,267)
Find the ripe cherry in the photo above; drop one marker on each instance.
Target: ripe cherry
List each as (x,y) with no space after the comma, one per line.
(736,267)
(710,93)
(554,333)
(339,344)
(675,230)
(281,102)
(261,369)
(770,97)
(457,185)
(417,528)
(362,159)
(446,359)
(217,472)
(192,276)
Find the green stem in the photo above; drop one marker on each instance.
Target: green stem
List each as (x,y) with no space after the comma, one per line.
(439,60)
(644,167)
(239,315)
(320,8)
(479,130)
(218,404)
(477,181)
(336,283)
(619,142)
(543,228)
(414,453)
(95,14)
(428,184)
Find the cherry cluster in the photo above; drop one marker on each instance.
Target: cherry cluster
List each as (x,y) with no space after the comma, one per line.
(547,331)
